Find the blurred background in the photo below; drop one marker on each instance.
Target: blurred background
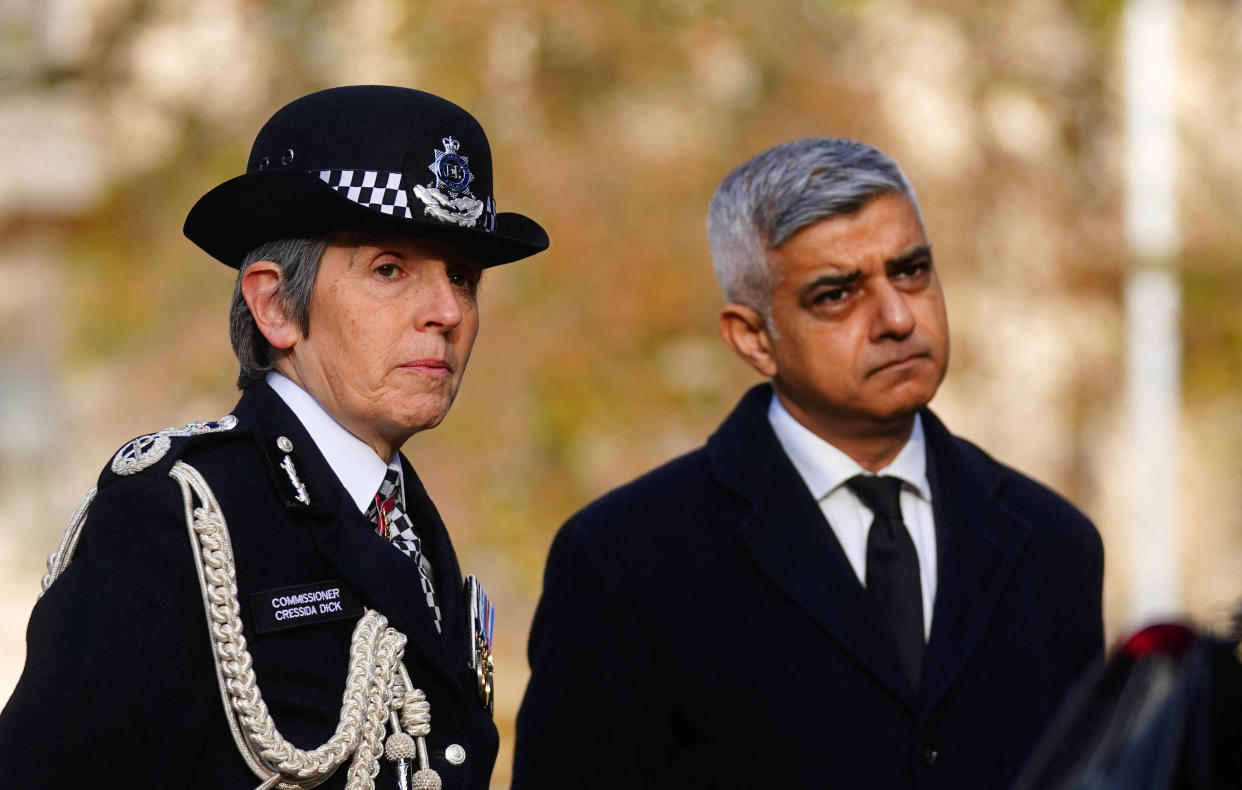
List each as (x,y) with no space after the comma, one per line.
(612,123)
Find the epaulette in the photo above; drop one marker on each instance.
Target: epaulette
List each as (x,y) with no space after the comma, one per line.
(149,450)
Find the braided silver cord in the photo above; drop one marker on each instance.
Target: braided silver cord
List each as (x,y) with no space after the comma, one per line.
(375,669)
(416,714)
(58,560)
(365,766)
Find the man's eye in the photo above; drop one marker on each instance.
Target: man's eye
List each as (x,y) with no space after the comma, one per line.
(832,295)
(387,270)
(912,270)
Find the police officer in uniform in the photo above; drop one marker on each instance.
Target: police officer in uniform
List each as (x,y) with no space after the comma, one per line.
(270,598)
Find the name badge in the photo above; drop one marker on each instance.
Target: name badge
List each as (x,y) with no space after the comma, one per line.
(307,604)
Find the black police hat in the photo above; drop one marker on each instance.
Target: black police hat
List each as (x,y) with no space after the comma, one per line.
(366,158)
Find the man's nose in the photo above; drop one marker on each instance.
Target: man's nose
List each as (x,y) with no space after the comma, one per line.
(893,316)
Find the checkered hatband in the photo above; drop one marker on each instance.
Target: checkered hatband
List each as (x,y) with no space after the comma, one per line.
(371,188)
(381,190)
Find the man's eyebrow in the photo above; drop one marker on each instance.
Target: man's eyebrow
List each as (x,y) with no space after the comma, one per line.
(833,280)
(921,251)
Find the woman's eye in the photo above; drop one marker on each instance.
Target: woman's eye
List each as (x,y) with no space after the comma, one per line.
(463,278)
(387,270)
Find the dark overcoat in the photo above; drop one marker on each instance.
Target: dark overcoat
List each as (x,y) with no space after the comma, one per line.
(119,688)
(701,627)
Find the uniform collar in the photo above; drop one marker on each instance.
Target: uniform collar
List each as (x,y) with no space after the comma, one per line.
(825,468)
(355,464)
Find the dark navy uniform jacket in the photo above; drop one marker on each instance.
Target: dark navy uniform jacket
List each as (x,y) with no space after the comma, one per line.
(119,688)
(701,627)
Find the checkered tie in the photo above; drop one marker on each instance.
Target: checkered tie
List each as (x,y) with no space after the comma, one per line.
(387,513)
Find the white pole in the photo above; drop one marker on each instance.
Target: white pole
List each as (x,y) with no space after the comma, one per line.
(1152,300)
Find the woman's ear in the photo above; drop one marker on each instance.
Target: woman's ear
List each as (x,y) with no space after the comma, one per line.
(261,286)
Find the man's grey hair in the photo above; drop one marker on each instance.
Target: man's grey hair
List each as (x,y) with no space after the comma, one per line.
(299,264)
(768,199)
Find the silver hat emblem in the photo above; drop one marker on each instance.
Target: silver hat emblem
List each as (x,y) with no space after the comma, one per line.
(449,199)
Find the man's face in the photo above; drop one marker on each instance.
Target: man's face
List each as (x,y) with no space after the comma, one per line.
(860,334)
(392,322)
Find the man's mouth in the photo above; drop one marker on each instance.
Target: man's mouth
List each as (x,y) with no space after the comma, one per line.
(907,361)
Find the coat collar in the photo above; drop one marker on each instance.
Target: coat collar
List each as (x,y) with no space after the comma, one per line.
(384,578)
(785,531)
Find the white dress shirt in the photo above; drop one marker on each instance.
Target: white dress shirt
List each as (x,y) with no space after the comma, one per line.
(825,469)
(356,465)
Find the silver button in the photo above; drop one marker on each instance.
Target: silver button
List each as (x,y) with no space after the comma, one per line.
(455,754)
(284,444)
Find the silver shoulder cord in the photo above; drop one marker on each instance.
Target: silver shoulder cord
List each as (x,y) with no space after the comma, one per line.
(59,559)
(378,689)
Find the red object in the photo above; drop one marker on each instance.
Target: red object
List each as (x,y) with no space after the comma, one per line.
(381,513)
(1163,638)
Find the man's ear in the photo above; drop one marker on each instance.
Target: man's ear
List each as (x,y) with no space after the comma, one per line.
(260,286)
(747,334)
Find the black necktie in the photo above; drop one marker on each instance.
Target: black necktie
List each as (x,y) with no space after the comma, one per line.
(893,569)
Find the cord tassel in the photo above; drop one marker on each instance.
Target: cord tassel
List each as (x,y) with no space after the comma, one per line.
(400,749)
(425,778)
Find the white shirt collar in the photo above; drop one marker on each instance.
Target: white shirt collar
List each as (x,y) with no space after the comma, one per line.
(826,468)
(357,466)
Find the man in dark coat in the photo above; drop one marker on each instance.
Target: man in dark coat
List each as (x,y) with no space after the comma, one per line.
(834,592)
(271,598)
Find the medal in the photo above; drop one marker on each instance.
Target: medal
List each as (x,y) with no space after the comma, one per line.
(482,628)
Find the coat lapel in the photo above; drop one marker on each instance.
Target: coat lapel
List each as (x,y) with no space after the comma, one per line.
(387,582)
(385,579)
(447,574)
(979,543)
(787,535)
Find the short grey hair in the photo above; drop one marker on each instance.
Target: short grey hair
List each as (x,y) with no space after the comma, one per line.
(768,199)
(299,264)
